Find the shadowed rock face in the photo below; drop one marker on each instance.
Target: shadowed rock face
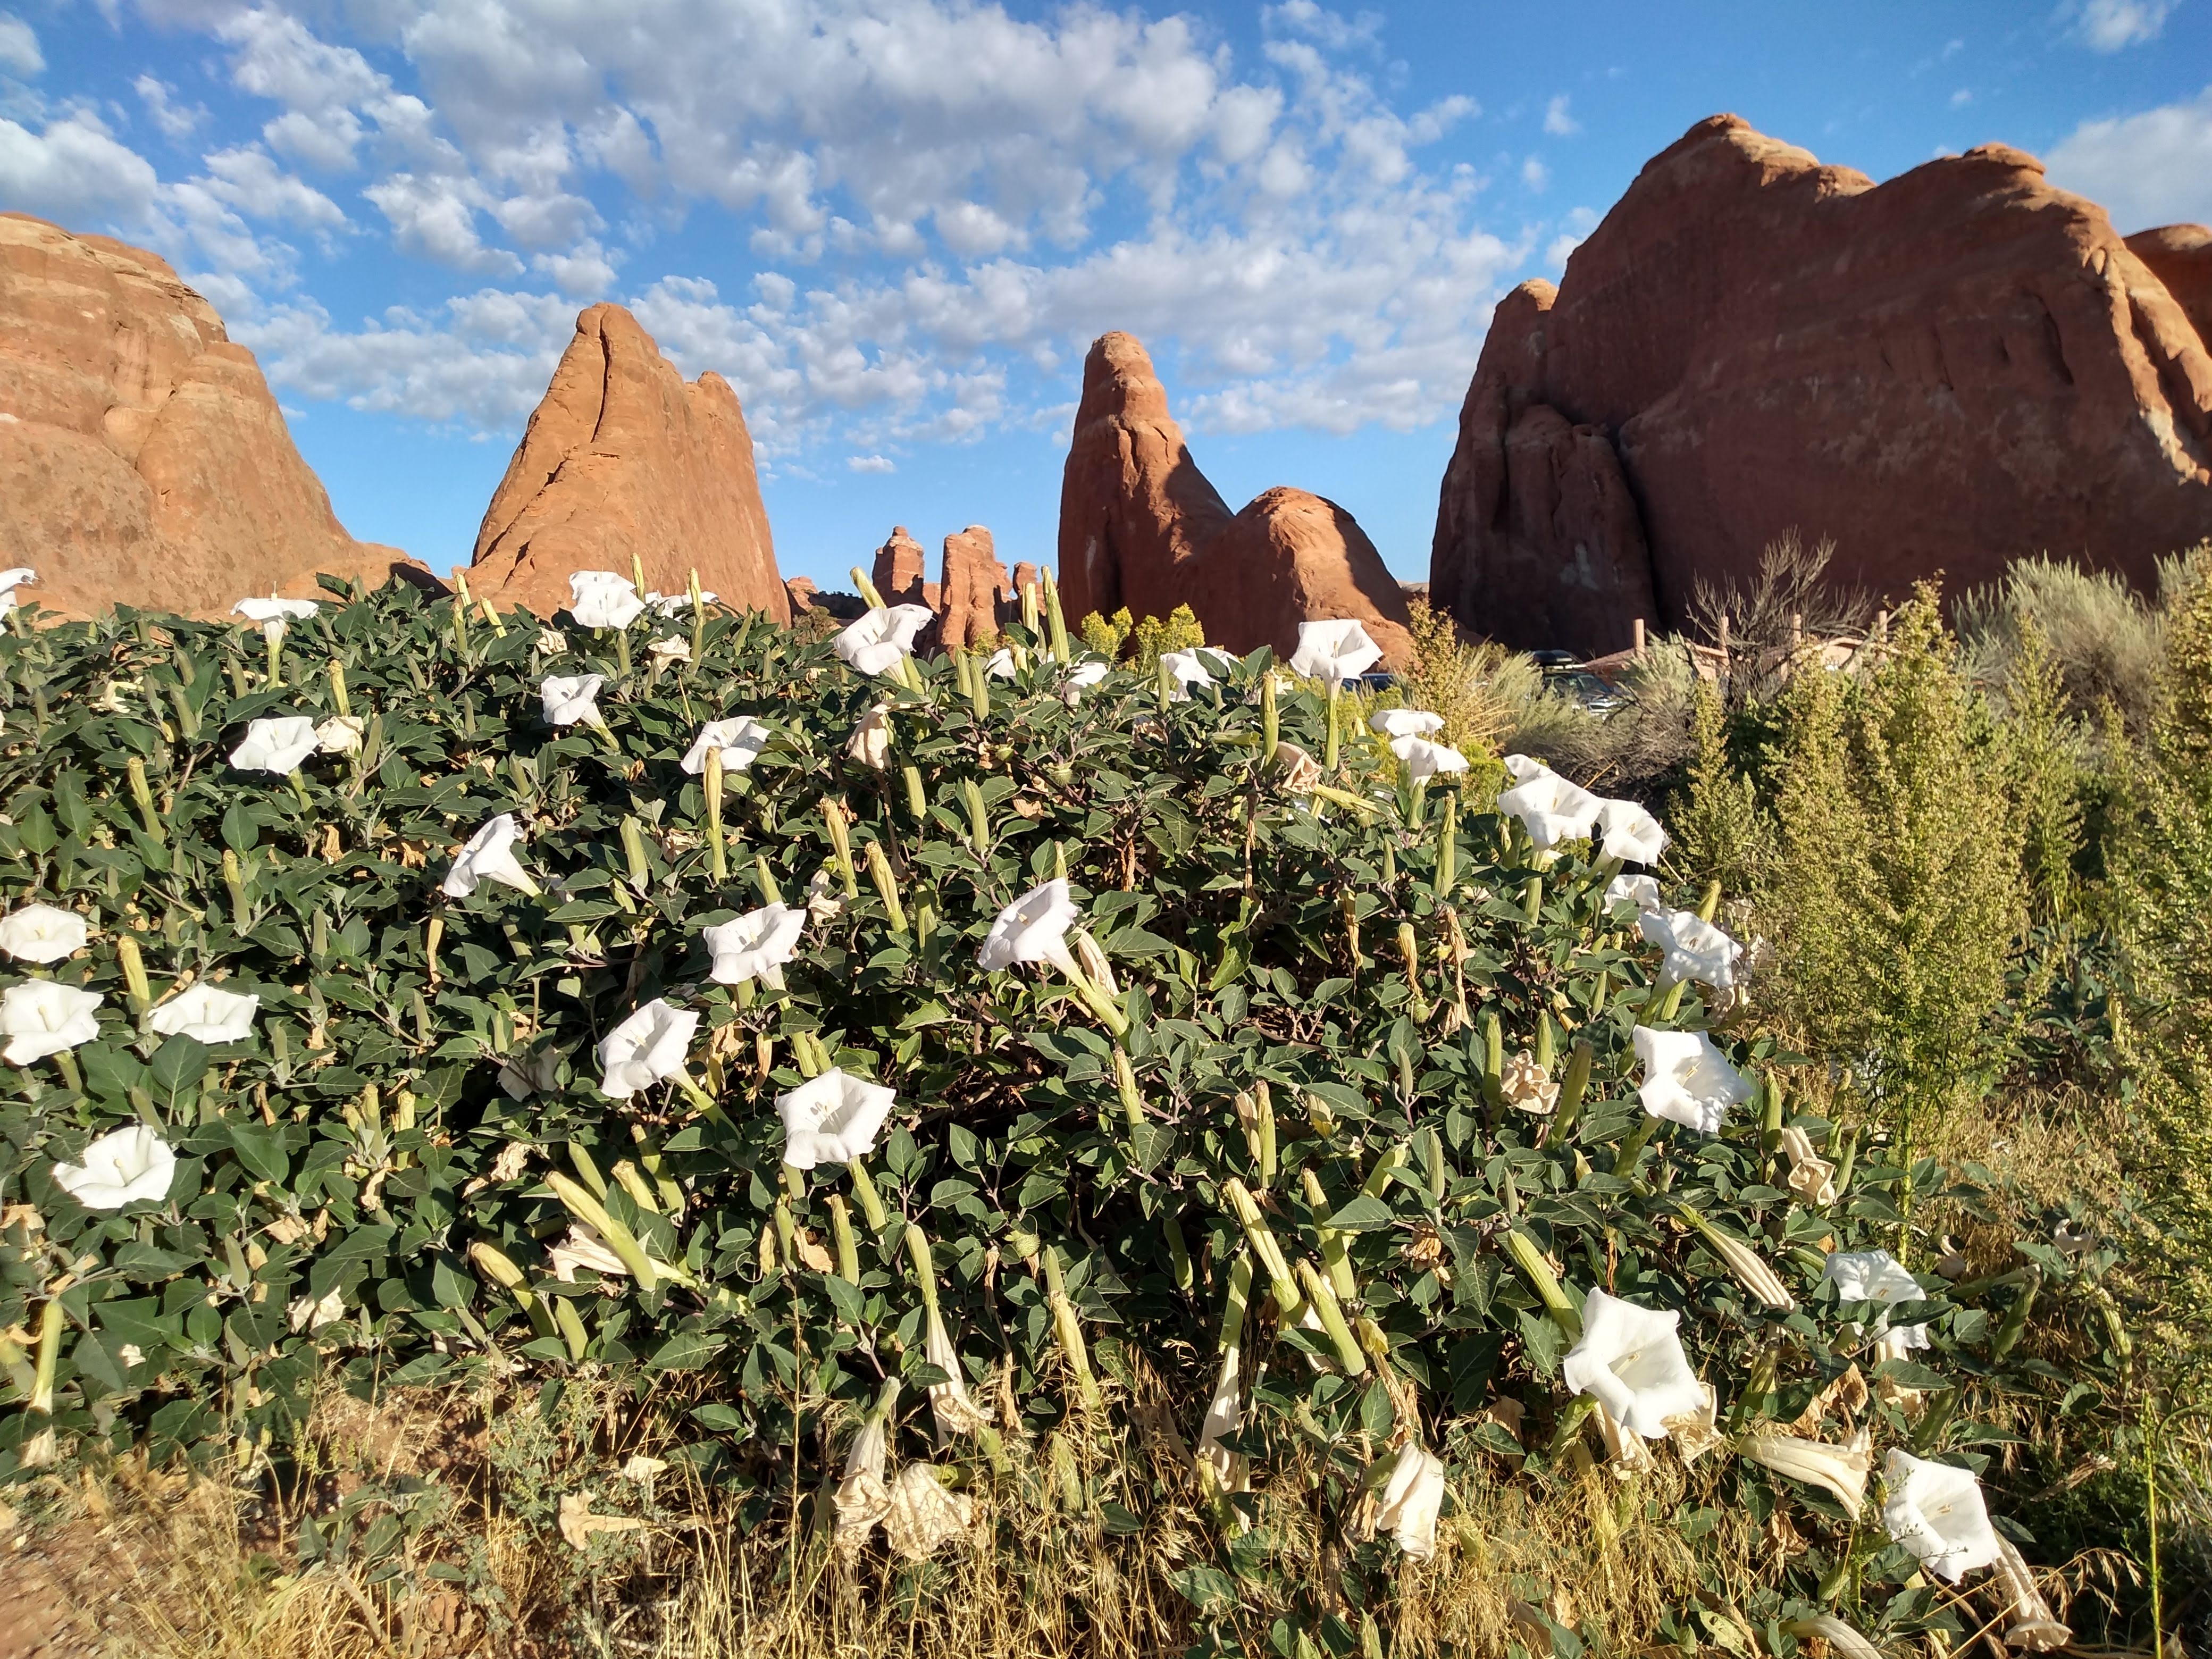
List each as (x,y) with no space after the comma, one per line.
(975,593)
(1943,373)
(1141,526)
(143,460)
(623,457)
(2180,256)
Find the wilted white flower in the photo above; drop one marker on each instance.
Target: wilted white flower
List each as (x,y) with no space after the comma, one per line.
(309,1313)
(1812,1177)
(870,743)
(130,1354)
(1936,1511)
(675,604)
(207,1013)
(823,900)
(1695,948)
(1528,1086)
(2029,1621)
(489,856)
(1642,891)
(1630,833)
(1299,771)
(41,1018)
(273,612)
(878,640)
(1631,1359)
(130,1165)
(42,933)
(600,598)
(572,699)
(340,734)
(1034,928)
(862,1498)
(1411,1500)
(1424,759)
(1225,1415)
(1877,1276)
(950,1403)
(757,943)
(1333,651)
(832,1119)
(740,739)
(1407,723)
(583,1248)
(1842,1470)
(9,581)
(551,642)
(1551,809)
(275,745)
(648,1046)
(674,648)
(1687,1080)
(925,1513)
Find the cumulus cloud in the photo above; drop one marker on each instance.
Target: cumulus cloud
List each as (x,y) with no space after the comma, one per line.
(175,121)
(19,46)
(434,218)
(1557,121)
(1534,174)
(72,167)
(2115,25)
(870,463)
(2151,168)
(246,178)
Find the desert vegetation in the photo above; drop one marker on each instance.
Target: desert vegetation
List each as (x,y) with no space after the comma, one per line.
(648,1132)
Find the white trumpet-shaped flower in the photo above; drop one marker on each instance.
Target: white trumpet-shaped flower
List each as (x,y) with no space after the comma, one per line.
(1000,666)
(489,856)
(1335,650)
(1407,723)
(1843,1470)
(572,699)
(275,744)
(740,739)
(832,1119)
(1812,1177)
(600,598)
(1080,678)
(341,734)
(2029,1621)
(42,933)
(207,1013)
(1687,1080)
(9,581)
(1551,809)
(1629,833)
(1412,1499)
(1521,768)
(870,742)
(1425,760)
(584,1247)
(675,604)
(42,1017)
(754,944)
(877,640)
(130,1165)
(1225,1415)
(1631,1359)
(1936,1511)
(273,613)
(950,1404)
(1642,891)
(647,1047)
(1033,928)
(1189,668)
(1877,1276)
(1695,948)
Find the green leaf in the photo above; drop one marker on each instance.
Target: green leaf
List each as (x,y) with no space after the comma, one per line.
(260,1148)
(686,1351)
(1364,1213)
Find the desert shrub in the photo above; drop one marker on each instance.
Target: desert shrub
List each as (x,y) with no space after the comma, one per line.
(1791,597)
(2104,640)
(1896,890)
(1280,1117)
(1139,642)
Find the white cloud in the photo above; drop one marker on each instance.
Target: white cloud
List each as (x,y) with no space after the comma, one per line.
(1534,174)
(246,179)
(75,169)
(586,272)
(1331,29)
(325,139)
(176,122)
(19,46)
(1557,121)
(870,463)
(1961,98)
(2114,25)
(436,218)
(2151,168)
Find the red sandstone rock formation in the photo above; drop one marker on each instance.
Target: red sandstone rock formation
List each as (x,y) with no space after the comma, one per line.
(1944,372)
(975,592)
(2180,256)
(143,460)
(898,575)
(800,592)
(1141,526)
(623,459)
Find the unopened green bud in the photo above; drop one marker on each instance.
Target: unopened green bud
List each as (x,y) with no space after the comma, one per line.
(886,883)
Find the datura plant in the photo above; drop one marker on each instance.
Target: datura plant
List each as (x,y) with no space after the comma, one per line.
(928,1062)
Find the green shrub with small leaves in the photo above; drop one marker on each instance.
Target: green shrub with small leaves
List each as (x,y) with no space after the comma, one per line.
(1308,1108)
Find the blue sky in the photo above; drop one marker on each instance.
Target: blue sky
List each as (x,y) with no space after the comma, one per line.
(895,224)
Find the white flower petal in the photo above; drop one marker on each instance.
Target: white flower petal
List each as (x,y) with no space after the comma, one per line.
(1631,834)
(832,1119)
(1687,1080)
(41,1018)
(740,739)
(755,944)
(131,1165)
(650,1045)
(1335,650)
(207,1013)
(1034,928)
(572,699)
(42,933)
(1631,1359)
(1937,1512)
(275,745)
(600,598)
(1696,949)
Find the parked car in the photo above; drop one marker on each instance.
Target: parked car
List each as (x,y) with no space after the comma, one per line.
(1579,684)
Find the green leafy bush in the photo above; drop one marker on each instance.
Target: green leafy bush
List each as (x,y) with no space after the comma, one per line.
(1314,1049)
